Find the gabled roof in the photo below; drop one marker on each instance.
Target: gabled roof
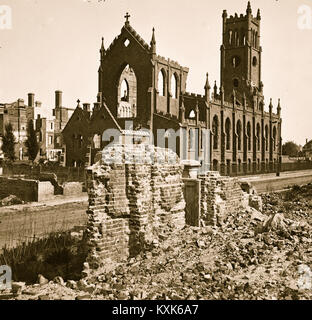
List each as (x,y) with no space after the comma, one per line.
(85,116)
(128,29)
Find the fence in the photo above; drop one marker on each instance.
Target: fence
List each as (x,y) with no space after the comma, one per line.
(77,174)
(235,170)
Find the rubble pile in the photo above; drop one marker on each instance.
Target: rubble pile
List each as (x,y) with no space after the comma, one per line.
(10,200)
(252,255)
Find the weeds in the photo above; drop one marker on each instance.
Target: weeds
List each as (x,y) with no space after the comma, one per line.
(58,254)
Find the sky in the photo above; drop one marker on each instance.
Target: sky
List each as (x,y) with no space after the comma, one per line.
(54,45)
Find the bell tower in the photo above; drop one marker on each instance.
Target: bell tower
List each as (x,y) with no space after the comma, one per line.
(241,55)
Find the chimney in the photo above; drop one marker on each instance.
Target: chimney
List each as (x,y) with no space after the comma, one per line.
(38,104)
(31,99)
(86,107)
(58,99)
(20,102)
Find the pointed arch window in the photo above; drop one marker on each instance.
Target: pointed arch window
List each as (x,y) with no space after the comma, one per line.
(174,86)
(162,82)
(235,38)
(228,134)
(266,138)
(258,137)
(249,136)
(215,131)
(274,138)
(127,93)
(243,36)
(239,135)
(230,36)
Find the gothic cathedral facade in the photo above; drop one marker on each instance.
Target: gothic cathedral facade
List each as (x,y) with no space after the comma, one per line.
(136,85)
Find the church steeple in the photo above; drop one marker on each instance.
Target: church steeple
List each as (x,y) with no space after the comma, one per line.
(153,43)
(241,56)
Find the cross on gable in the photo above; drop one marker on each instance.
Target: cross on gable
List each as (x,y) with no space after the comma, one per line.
(127,16)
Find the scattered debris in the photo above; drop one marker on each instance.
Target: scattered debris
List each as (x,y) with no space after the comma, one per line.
(10,200)
(253,255)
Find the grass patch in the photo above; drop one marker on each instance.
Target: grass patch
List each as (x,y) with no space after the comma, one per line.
(58,254)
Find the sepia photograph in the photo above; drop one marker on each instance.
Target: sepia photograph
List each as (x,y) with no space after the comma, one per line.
(155,151)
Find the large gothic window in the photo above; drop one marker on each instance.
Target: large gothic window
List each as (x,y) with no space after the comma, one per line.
(266,138)
(243,36)
(215,131)
(258,137)
(174,86)
(127,93)
(274,138)
(249,136)
(228,134)
(230,36)
(162,82)
(239,135)
(235,37)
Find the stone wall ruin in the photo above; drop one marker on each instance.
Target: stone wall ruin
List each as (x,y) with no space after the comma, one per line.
(135,199)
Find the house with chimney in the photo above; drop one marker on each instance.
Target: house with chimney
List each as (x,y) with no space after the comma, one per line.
(18,114)
(49,131)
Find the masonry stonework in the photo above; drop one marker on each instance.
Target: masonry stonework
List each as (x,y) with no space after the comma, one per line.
(135,199)
(26,189)
(219,197)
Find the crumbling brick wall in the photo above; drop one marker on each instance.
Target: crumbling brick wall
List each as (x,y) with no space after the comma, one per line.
(219,196)
(26,189)
(135,198)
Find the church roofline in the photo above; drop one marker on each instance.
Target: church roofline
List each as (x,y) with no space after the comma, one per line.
(127,27)
(172,63)
(136,36)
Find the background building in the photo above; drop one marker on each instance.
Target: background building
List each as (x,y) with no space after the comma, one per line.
(137,84)
(18,114)
(49,131)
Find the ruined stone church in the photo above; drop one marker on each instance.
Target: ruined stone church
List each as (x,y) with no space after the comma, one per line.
(138,85)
